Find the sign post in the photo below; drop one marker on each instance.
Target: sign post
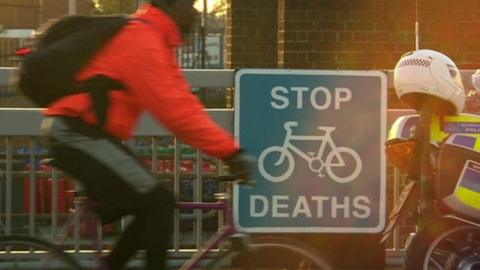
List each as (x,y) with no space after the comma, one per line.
(319,140)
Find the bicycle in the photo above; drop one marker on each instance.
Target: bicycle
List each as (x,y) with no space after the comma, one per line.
(229,247)
(334,159)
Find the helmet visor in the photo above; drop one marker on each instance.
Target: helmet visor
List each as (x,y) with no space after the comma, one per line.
(456,76)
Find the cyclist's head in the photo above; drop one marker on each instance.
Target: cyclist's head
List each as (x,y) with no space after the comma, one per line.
(182,11)
(427,77)
(160,3)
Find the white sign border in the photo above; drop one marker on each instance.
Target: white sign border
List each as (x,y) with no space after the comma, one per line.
(383,125)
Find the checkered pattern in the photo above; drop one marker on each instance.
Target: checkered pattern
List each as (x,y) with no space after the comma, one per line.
(415,62)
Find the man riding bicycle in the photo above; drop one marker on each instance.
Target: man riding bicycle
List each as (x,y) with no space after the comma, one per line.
(89,147)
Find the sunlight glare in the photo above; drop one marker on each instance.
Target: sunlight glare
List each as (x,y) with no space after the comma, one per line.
(210,5)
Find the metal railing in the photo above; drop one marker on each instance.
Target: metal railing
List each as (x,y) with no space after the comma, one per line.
(19,139)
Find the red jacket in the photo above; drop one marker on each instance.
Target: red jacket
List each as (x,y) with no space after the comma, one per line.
(142,57)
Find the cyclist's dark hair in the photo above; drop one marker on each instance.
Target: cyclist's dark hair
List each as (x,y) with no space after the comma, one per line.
(161,3)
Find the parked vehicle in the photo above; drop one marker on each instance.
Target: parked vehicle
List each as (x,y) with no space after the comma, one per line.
(449,230)
(438,150)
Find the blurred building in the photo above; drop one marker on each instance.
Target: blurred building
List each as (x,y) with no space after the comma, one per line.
(307,34)
(29,14)
(349,34)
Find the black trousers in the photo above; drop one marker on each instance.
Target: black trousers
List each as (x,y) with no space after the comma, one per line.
(121,185)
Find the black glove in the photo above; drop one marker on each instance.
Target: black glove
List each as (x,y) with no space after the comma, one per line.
(241,166)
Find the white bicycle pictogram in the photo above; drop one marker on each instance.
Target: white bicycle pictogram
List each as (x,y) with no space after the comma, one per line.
(334,159)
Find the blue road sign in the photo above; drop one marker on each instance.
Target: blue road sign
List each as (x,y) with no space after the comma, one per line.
(319,140)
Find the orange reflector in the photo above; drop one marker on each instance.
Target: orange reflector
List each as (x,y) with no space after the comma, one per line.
(399,153)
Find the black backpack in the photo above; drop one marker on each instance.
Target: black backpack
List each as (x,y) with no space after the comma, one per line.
(60,52)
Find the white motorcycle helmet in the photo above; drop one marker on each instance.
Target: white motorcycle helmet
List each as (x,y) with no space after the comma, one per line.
(429,78)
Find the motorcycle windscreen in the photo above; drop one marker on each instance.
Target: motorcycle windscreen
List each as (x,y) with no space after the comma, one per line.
(457,182)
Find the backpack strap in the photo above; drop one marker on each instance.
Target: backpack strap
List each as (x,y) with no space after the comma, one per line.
(98,88)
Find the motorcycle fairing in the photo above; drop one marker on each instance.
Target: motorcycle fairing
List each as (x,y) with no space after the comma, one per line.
(458,179)
(441,126)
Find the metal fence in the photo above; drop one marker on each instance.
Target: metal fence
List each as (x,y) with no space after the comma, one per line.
(36,199)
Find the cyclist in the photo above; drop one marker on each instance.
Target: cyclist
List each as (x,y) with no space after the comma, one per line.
(141,57)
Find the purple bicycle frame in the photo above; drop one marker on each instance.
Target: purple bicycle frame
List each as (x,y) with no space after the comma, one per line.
(223,233)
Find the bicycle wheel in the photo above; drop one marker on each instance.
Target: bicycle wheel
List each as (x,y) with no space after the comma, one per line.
(271,253)
(19,252)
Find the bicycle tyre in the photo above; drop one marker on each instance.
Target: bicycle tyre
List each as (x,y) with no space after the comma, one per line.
(272,253)
(27,253)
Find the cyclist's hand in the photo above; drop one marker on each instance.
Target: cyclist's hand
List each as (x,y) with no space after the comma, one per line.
(241,166)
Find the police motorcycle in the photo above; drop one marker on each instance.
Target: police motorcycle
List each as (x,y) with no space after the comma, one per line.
(439,150)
